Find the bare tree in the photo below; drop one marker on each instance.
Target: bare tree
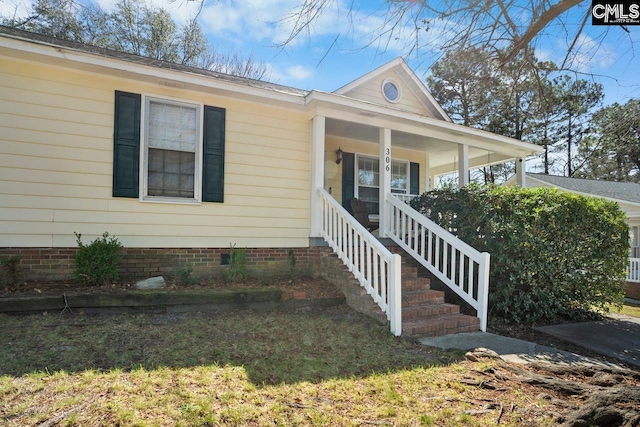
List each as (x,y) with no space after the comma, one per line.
(133,26)
(506,28)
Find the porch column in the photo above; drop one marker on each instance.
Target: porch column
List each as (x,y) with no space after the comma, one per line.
(463,165)
(429,184)
(520,174)
(317,174)
(385,179)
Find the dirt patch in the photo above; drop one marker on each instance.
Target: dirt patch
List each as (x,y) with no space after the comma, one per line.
(300,288)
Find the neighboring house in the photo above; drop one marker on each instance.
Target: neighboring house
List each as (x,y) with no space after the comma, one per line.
(626,194)
(180,163)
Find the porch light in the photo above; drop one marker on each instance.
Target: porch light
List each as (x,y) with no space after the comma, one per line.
(338,156)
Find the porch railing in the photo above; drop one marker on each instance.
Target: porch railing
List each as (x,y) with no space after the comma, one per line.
(405,197)
(633,273)
(461,267)
(373,265)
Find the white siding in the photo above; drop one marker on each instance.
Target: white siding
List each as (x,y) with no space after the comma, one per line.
(56,154)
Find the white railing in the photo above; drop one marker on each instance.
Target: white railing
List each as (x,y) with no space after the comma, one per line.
(406,198)
(633,273)
(377,269)
(455,263)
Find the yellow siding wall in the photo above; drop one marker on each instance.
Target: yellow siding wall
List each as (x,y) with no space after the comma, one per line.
(333,178)
(372,91)
(56,154)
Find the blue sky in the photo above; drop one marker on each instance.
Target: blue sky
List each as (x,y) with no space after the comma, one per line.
(257,27)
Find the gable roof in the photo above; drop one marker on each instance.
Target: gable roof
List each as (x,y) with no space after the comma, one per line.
(142,60)
(625,191)
(407,75)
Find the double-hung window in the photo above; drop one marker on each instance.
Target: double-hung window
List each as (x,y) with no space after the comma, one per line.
(369,181)
(635,241)
(168,150)
(172,150)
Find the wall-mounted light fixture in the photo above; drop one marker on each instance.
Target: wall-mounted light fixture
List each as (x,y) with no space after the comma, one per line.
(338,156)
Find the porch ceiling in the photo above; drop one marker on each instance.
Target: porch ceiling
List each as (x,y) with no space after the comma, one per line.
(443,154)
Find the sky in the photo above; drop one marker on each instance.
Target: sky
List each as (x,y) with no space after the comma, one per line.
(340,47)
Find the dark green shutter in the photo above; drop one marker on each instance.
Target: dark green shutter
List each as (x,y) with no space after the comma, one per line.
(348,179)
(126,145)
(414,178)
(213,155)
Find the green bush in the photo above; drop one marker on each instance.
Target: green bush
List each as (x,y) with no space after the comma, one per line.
(98,262)
(553,254)
(237,265)
(10,268)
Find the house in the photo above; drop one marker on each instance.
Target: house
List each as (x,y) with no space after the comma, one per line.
(626,194)
(180,163)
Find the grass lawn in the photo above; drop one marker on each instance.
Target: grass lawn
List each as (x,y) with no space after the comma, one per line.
(322,367)
(628,310)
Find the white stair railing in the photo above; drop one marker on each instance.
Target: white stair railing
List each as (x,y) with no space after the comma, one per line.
(633,272)
(461,267)
(373,265)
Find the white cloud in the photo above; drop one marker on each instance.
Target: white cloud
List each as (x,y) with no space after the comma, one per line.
(17,8)
(590,55)
(299,72)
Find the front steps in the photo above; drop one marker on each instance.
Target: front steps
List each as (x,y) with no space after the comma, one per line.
(424,312)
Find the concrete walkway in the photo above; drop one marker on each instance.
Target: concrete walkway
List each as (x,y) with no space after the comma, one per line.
(616,337)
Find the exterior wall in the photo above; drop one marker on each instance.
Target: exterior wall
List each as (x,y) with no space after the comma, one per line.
(49,264)
(333,172)
(372,91)
(632,290)
(56,155)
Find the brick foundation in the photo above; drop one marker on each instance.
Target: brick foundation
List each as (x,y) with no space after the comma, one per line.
(632,290)
(57,263)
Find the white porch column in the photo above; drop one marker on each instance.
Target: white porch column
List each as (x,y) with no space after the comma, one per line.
(317,174)
(520,174)
(429,184)
(463,165)
(385,178)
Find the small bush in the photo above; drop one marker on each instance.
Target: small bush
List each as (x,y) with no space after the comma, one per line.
(184,275)
(291,261)
(11,269)
(97,263)
(553,254)
(237,265)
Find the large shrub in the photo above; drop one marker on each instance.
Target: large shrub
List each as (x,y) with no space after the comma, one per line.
(98,263)
(553,254)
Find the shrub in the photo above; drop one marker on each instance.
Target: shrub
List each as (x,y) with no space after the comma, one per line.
(184,275)
(237,264)
(11,269)
(98,262)
(553,254)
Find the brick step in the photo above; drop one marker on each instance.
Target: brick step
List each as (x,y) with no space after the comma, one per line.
(416,284)
(426,311)
(441,325)
(417,298)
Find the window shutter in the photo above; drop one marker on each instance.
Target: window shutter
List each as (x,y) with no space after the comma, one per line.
(126,145)
(348,179)
(213,155)
(414,178)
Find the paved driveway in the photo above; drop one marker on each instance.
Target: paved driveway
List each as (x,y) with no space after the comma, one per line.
(618,336)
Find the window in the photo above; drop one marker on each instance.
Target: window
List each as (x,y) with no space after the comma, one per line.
(172,150)
(635,241)
(391,90)
(369,181)
(181,145)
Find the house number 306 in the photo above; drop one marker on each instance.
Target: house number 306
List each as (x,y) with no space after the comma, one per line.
(387,160)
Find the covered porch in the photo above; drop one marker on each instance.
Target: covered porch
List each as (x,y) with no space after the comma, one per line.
(384,156)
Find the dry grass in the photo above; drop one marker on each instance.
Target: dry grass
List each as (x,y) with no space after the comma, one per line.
(329,367)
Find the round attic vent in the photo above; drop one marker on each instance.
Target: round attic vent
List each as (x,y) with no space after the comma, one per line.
(391,90)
